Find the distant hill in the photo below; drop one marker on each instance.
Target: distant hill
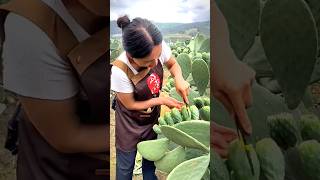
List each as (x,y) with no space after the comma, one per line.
(171,28)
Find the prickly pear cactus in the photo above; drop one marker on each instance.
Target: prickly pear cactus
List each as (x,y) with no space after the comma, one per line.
(206,101)
(185,113)
(198,129)
(185,63)
(162,121)
(156,129)
(218,169)
(239,163)
(182,138)
(200,75)
(315,7)
(195,43)
(158,150)
(192,94)
(284,130)
(199,102)
(194,112)
(171,159)
(205,113)
(193,169)
(176,115)
(168,118)
(310,127)
(309,153)
(271,159)
(290,49)
(243,21)
(205,46)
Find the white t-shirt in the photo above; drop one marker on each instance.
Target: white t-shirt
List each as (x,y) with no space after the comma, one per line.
(32,65)
(120,81)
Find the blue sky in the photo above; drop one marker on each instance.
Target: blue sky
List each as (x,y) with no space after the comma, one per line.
(178,11)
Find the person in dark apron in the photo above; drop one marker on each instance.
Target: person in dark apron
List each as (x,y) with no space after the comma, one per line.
(63,135)
(136,77)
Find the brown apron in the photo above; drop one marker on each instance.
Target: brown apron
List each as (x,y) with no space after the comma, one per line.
(38,160)
(135,126)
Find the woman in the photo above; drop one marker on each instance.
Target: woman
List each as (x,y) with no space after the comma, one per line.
(136,78)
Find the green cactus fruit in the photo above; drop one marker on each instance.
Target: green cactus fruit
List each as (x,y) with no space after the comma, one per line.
(310,127)
(166,89)
(200,75)
(239,163)
(206,101)
(218,169)
(185,51)
(271,159)
(182,138)
(206,56)
(309,153)
(185,63)
(284,130)
(171,82)
(153,150)
(198,129)
(167,117)
(176,115)
(156,129)
(198,102)
(185,113)
(162,121)
(194,112)
(193,169)
(205,113)
(171,159)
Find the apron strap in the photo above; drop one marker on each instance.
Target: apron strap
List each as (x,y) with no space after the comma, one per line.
(49,22)
(88,51)
(135,78)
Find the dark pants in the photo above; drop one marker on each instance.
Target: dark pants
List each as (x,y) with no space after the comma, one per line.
(125,164)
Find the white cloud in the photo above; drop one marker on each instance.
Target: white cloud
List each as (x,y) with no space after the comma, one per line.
(183,11)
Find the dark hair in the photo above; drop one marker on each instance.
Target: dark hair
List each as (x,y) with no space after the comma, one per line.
(138,36)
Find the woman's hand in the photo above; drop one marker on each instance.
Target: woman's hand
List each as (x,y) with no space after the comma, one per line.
(221,138)
(232,86)
(171,102)
(232,78)
(182,88)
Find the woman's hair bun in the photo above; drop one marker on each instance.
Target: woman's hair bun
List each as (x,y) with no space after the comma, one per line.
(123,21)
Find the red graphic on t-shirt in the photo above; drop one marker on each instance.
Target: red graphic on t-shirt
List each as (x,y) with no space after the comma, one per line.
(153,82)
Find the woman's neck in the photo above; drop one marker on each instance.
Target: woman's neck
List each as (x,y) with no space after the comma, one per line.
(134,65)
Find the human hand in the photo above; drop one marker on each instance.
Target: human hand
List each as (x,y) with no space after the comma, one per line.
(182,88)
(171,102)
(232,86)
(221,138)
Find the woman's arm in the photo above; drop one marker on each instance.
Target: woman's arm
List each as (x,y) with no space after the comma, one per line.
(60,126)
(182,86)
(127,99)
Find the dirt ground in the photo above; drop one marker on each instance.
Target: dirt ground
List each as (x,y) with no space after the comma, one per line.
(7,161)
